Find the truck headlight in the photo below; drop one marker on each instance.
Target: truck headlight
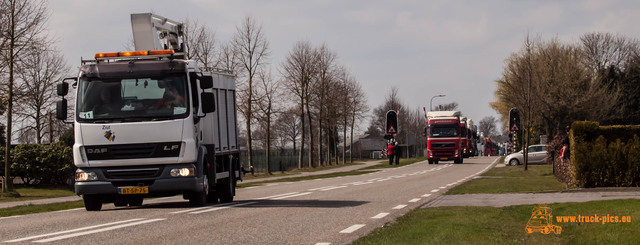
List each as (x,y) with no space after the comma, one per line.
(182,172)
(86,176)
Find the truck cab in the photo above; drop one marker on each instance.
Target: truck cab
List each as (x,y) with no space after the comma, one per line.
(151,124)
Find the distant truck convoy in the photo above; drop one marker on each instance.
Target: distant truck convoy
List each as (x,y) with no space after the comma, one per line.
(151,122)
(444,137)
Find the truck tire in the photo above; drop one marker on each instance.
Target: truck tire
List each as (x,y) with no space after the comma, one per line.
(92,202)
(198,199)
(228,186)
(457,160)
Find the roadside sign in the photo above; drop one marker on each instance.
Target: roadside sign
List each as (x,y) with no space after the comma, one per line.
(515,127)
(392,122)
(514,120)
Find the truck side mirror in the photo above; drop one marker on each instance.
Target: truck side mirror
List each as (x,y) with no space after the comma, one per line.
(208,102)
(61,109)
(63,88)
(206,82)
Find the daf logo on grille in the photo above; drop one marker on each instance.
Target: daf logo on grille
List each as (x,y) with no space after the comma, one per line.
(170,147)
(97,151)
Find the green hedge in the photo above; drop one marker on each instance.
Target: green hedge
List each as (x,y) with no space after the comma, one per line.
(42,164)
(607,156)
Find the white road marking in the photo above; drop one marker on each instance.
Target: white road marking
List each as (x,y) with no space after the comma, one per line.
(286,194)
(333,188)
(68,210)
(293,195)
(399,206)
(193,209)
(435,190)
(323,243)
(426,195)
(380,216)
(74,230)
(223,207)
(98,230)
(352,228)
(414,200)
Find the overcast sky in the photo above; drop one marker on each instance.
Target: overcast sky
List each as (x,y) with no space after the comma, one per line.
(423,48)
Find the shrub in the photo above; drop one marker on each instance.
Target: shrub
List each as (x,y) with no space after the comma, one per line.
(605,156)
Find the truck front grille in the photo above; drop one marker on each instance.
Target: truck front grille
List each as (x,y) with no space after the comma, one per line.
(443,145)
(133,173)
(133,151)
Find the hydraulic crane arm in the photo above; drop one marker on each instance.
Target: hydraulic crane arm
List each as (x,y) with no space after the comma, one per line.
(153,32)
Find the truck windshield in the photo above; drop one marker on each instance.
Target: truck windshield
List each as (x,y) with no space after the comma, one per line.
(443,130)
(132,99)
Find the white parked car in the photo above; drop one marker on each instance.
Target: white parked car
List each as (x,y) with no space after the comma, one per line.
(537,154)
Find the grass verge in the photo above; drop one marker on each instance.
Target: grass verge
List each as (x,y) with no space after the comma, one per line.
(488,225)
(512,179)
(36,193)
(30,209)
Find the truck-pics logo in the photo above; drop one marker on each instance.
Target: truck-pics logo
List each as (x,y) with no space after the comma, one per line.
(109,135)
(542,221)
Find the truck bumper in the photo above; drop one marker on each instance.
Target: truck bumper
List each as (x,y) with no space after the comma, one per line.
(160,184)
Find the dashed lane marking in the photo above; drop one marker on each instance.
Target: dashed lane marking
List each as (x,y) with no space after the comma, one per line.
(352,228)
(380,216)
(415,200)
(399,206)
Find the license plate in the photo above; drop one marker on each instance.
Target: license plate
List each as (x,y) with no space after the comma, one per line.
(133,190)
(444,159)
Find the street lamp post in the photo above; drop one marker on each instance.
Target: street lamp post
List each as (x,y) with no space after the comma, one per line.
(431,102)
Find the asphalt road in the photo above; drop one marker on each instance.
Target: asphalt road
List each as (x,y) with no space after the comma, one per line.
(325,211)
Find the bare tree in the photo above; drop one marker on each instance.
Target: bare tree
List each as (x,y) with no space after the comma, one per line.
(251,50)
(299,71)
(227,58)
(25,22)
(488,126)
(269,95)
(201,43)
(447,107)
(288,125)
(358,108)
(326,67)
(38,71)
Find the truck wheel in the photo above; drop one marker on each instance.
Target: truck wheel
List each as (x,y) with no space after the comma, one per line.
(198,199)
(430,161)
(228,187)
(92,202)
(457,160)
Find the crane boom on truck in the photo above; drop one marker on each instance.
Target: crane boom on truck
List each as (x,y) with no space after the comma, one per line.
(150,123)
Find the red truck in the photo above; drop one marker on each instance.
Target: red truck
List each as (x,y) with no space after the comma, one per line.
(444,137)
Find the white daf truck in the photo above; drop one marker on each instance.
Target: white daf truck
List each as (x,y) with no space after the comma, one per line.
(150,123)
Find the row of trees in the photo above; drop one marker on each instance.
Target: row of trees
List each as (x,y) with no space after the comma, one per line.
(305,105)
(29,66)
(554,83)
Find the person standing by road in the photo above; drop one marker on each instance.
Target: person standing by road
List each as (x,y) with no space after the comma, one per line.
(390,152)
